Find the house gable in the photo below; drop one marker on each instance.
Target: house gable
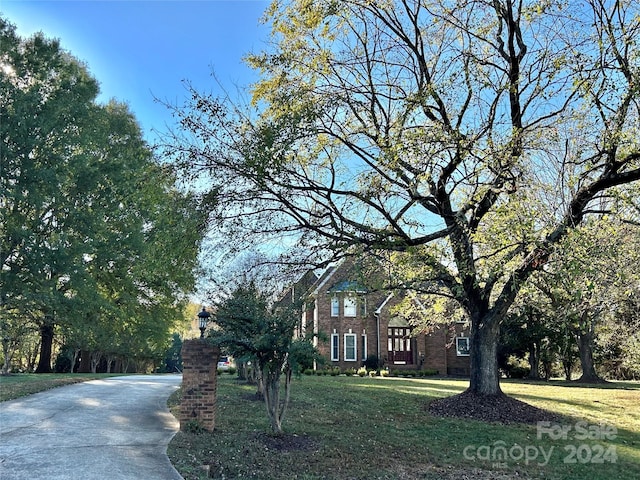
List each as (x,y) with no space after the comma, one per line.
(357,323)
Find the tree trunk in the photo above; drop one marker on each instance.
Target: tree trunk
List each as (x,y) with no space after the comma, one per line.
(95,360)
(85,362)
(484,374)
(534,361)
(567,367)
(7,352)
(276,408)
(547,357)
(272,398)
(74,359)
(46,345)
(585,349)
(259,378)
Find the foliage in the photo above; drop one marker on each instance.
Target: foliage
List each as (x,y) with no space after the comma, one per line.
(589,290)
(97,244)
(173,356)
(461,134)
(251,327)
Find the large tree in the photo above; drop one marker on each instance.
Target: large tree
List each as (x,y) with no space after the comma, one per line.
(473,134)
(91,224)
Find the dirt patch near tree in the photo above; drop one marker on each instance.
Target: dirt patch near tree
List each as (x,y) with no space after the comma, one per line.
(489,408)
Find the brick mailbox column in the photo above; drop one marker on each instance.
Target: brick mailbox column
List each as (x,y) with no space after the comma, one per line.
(199,381)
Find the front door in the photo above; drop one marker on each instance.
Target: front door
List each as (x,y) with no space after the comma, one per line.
(400,346)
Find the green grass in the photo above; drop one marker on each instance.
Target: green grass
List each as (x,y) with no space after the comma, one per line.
(379,428)
(19,385)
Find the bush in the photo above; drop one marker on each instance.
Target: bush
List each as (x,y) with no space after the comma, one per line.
(372,362)
(362,371)
(518,372)
(349,371)
(384,372)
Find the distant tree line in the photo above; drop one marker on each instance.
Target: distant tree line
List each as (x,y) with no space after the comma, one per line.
(98,246)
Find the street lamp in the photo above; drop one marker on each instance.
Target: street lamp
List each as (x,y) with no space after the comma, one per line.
(203,317)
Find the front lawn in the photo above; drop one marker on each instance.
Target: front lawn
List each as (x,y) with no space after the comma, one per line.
(379,428)
(22,384)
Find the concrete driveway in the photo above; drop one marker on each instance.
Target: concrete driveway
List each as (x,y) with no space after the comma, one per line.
(116,428)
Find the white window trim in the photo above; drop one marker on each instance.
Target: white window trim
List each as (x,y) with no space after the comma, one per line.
(364,346)
(458,352)
(355,347)
(350,310)
(335,302)
(335,353)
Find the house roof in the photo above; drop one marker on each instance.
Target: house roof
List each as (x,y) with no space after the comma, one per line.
(322,280)
(348,286)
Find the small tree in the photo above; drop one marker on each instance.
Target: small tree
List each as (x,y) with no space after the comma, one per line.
(251,327)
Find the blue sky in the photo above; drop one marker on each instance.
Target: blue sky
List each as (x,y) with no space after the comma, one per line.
(141,49)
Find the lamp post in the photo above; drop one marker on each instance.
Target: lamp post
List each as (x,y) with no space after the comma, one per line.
(203,318)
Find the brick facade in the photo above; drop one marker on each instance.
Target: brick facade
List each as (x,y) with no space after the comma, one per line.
(373,327)
(199,382)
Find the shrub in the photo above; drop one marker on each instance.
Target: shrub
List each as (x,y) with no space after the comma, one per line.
(518,372)
(372,362)
(192,426)
(349,371)
(384,372)
(231,371)
(362,371)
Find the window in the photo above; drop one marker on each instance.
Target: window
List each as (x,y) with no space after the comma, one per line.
(363,347)
(363,307)
(350,349)
(335,347)
(350,304)
(462,346)
(335,307)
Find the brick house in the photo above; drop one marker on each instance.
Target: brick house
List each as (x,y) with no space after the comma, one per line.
(358,322)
